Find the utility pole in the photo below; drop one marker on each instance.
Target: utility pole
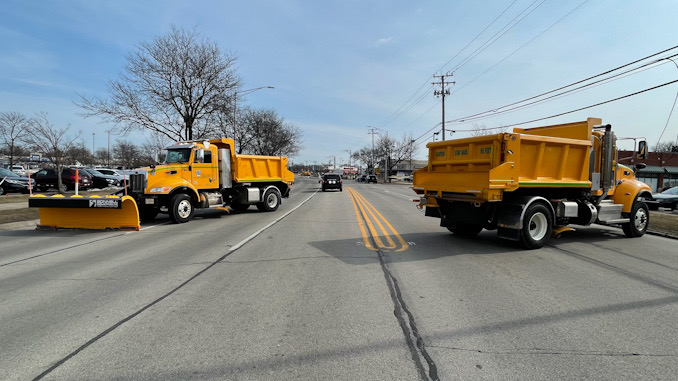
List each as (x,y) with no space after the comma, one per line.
(373,131)
(349,160)
(442,93)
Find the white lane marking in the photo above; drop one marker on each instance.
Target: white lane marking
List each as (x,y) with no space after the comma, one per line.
(244,241)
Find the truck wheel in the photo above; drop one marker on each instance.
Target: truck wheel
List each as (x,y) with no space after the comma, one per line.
(148,214)
(640,218)
(466,230)
(271,201)
(537,226)
(2,190)
(181,208)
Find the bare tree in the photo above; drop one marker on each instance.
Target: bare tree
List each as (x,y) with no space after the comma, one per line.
(54,143)
(157,143)
(126,153)
(663,147)
(79,154)
(365,155)
(482,130)
(266,133)
(178,85)
(101,155)
(14,128)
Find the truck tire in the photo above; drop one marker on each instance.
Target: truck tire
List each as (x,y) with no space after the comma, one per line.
(640,219)
(271,201)
(148,214)
(537,226)
(181,208)
(466,230)
(2,190)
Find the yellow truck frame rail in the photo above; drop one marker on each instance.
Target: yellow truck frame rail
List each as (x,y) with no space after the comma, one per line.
(564,173)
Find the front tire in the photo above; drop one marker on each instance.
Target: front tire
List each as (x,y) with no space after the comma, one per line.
(537,226)
(181,208)
(640,219)
(271,201)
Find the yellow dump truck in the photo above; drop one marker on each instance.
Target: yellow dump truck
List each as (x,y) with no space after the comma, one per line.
(530,183)
(196,174)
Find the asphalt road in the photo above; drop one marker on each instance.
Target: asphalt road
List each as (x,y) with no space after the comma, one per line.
(307,292)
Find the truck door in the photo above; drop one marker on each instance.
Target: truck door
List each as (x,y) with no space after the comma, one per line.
(204,173)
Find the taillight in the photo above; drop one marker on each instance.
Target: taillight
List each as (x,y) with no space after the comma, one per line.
(502,156)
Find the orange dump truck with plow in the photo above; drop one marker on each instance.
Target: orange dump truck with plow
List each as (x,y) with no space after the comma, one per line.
(530,183)
(196,174)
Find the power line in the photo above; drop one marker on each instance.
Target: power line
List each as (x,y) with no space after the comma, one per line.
(503,31)
(522,46)
(505,109)
(595,105)
(405,108)
(496,110)
(478,35)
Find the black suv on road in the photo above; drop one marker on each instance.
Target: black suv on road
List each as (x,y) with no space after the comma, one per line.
(332,181)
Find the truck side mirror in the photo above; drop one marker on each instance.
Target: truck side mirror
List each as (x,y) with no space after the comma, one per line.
(642,150)
(199,156)
(640,166)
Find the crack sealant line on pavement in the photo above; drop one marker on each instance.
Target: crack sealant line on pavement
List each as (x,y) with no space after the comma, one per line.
(415,343)
(163,297)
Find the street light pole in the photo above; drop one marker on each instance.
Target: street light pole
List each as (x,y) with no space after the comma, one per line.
(92,144)
(349,158)
(235,107)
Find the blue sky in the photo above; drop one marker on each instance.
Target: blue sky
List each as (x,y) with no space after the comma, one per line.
(340,66)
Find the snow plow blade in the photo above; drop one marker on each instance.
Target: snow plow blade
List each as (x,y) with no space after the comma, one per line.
(94,212)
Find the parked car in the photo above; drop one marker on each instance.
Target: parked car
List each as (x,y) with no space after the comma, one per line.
(11,182)
(666,199)
(19,169)
(47,178)
(99,180)
(371,179)
(113,172)
(332,181)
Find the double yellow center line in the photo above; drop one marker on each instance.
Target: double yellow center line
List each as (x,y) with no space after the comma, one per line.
(378,228)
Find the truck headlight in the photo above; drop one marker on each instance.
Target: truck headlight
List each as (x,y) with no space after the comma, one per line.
(160,190)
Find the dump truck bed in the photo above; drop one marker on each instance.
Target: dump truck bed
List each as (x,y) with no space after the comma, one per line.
(254,168)
(482,168)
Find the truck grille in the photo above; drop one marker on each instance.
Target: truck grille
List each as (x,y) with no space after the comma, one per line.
(137,183)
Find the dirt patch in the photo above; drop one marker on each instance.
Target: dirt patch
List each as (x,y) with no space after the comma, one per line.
(16,215)
(664,223)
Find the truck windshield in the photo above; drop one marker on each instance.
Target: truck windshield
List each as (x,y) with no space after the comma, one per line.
(178,155)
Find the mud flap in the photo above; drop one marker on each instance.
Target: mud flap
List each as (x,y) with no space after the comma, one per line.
(94,212)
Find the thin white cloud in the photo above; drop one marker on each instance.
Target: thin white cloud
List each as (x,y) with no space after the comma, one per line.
(383,41)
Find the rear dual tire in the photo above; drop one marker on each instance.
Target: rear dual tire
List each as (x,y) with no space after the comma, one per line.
(271,201)
(537,226)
